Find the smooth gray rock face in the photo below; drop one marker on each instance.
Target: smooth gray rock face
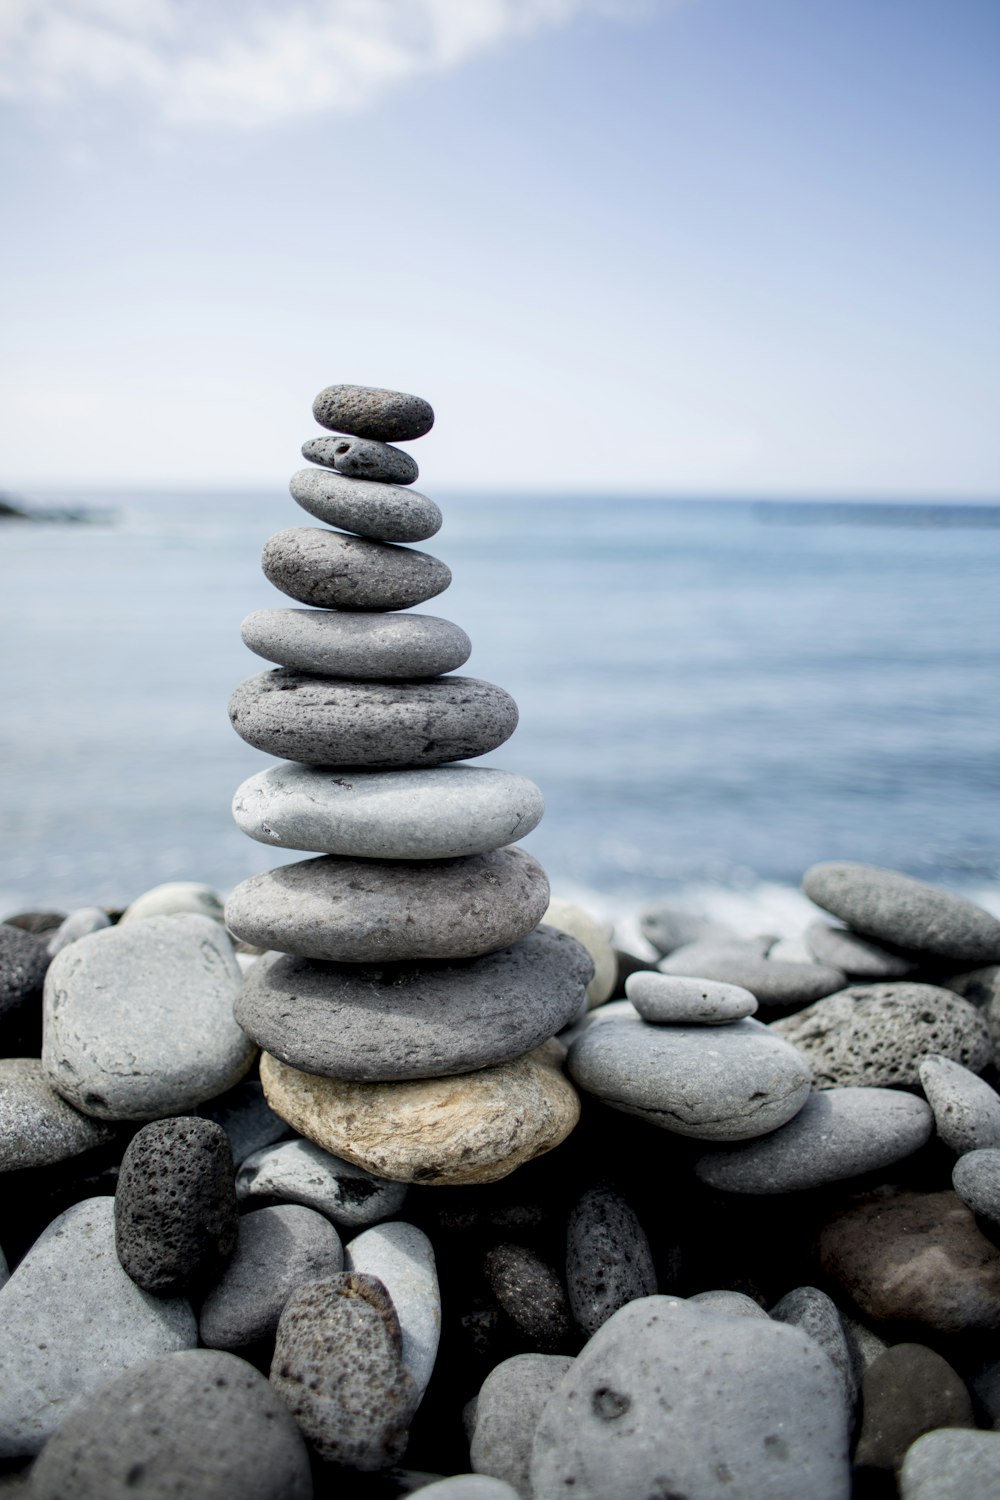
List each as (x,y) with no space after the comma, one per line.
(777,985)
(329,722)
(808,1308)
(727,1084)
(277,1249)
(198,1423)
(877,1034)
(336,643)
(855,956)
(468,1487)
(70,1321)
(411,1020)
(608,1259)
(951,1463)
(402,1258)
(379,911)
(976,1179)
(175,898)
(897,909)
(24,958)
(629,1418)
(669,927)
(383,512)
(966,1109)
(439,812)
(371,412)
(726,1304)
(300,1172)
(247,1118)
(507,1411)
(139,1019)
(362,458)
(336,571)
(77,925)
(667,999)
(37,1127)
(839,1133)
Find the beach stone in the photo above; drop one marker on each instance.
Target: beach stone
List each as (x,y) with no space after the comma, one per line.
(468,1487)
(876,1035)
(507,1410)
(70,1321)
(4,1270)
(951,1464)
(175,898)
(24,958)
(908,913)
(175,1206)
(911,1257)
(611,1010)
(670,1000)
(37,1127)
(371,412)
(198,1423)
(864,1344)
(857,957)
(595,937)
(629,1417)
(668,927)
(401,1257)
(439,812)
(336,643)
(300,1172)
(808,1308)
(335,571)
(776,984)
(966,1109)
(531,1295)
(727,1084)
(838,1133)
(278,1248)
(381,512)
(139,1019)
(247,1118)
(326,721)
(976,1179)
(362,458)
(728,1304)
(414,1020)
(378,911)
(608,1258)
(338,1366)
(469,1128)
(36,921)
(77,925)
(908,1391)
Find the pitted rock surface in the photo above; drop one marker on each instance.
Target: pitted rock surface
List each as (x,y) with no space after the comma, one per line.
(608,1259)
(531,1294)
(24,958)
(383,512)
(908,913)
(372,412)
(332,570)
(362,458)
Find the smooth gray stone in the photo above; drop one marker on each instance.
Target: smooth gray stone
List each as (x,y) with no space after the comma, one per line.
(362,458)
(382,725)
(777,985)
(951,1463)
(608,1258)
(77,925)
(383,512)
(437,812)
(277,1249)
(966,1109)
(857,957)
(336,643)
(199,1423)
(976,1179)
(300,1172)
(877,1034)
(727,1084)
(726,1304)
(468,1487)
(839,1133)
(507,1411)
(247,1118)
(372,412)
(37,1127)
(410,1020)
(897,909)
(24,958)
(668,999)
(173,899)
(402,1257)
(71,1320)
(379,911)
(611,1010)
(335,571)
(139,1019)
(634,1414)
(808,1308)
(669,927)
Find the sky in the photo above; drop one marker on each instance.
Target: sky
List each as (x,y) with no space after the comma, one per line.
(677,247)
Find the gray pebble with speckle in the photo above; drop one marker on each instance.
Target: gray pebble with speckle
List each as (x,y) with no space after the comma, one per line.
(298,1171)
(334,571)
(608,1258)
(818,1316)
(951,1463)
(24,958)
(383,512)
(336,643)
(37,1127)
(966,1109)
(373,412)
(897,909)
(669,999)
(976,1179)
(362,458)
(723,1303)
(509,1404)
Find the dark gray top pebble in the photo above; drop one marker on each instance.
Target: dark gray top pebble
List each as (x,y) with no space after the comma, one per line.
(37,1127)
(897,909)
(372,412)
(24,958)
(362,458)
(334,571)
(384,512)
(608,1259)
(337,643)
(531,1294)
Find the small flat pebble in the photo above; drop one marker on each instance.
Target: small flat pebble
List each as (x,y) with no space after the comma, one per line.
(966,1109)
(173,899)
(24,958)
(808,1308)
(372,412)
(336,643)
(362,458)
(247,1118)
(78,924)
(976,1179)
(531,1294)
(608,1258)
(332,570)
(670,1000)
(951,1464)
(908,1391)
(908,913)
(402,1258)
(300,1172)
(37,1127)
(727,1304)
(567,916)
(507,1411)
(858,957)
(777,985)
(382,512)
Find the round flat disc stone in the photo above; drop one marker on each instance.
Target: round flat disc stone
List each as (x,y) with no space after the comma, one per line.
(366,506)
(337,643)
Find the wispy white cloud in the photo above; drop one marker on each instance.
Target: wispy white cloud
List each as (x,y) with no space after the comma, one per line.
(253,63)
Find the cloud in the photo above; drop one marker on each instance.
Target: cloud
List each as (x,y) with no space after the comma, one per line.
(247,64)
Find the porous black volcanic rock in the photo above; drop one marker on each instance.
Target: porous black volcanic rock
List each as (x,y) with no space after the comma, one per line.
(608,1259)
(908,913)
(373,412)
(24,958)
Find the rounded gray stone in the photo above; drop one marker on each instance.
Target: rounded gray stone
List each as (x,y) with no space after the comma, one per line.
(373,412)
(336,571)
(139,1019)
(437,812)
(669,927)
(402,1258)
(173,899)
(383,512)
(608,1258)
(507,1410)
(362,458)
(468,1487)
(776,984)
(858,957)
(298,1171)
(976,1179)
(328,722)
(897,909)
(966,1109)
(379,911)
(669,999)
(720,1302)
(24,958)
(728,1084)
(198,1423)
(839,1133)
(808,1308)
(951,1463)
(37,1127)
(411,1020)
(78,924)
(336,643)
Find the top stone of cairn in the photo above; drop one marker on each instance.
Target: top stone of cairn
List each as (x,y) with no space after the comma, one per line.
(367,412)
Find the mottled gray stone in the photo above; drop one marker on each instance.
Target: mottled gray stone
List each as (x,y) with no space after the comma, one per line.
(383,512)
(24,958)
(300,1172)
(877,1034)
(37,1127)
(362,458)
(723,1303)
(77,925)
(70,1321)
(247,1118)
(335,571)
(199,1424)
(336,643)
(855,956)
(507,1411)
(669,927)
(668,999)
(438,812)
(139,1019)
(411,1020)
(808,1308)
(966,1109)
(330,722)
(838,1133)
(777,985)
(608,1259)
(378,911)
(729,1083)
(278,1248)
(372,412)
(629,1418)
(976,1179)
(173,899)
(897,909)
(908,1390)
(951,1463)
(402,1258)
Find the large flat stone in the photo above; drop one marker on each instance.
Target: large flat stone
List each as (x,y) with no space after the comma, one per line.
(908,913)
(335,571)
(364,506)
(337,643)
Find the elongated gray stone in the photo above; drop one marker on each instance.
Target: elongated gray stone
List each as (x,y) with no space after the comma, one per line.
(818,1316)
(671,999)
(507,1411)
(976,1180)
(776,984)
(966,1108)
(336,643)
(328,722)
(951,1463)
(402,1257)
(298,1171)
(373,412)
(335,571)
(383,512)
(37,1127)
(362,458)
(909,913)
(858,957)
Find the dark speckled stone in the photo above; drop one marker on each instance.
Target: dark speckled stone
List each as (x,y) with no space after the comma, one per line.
(372,412)
(531,1295)
(608,1259)
(362,458)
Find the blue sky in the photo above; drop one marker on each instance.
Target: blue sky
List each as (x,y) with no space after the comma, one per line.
(700,247)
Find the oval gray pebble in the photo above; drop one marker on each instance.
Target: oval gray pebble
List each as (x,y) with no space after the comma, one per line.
(336,643)
(897,909)
(608,1259)
(382,512)
(818,1316)
(966,1108)
(37,1127)
(671,999)
(507,1410)
(976,1179)
(334,571)
(362,458)
(402,1258)
(951,1463)
(298,1171)
(373,412)
(776,984)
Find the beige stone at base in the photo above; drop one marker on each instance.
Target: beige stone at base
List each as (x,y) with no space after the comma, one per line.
(596,938)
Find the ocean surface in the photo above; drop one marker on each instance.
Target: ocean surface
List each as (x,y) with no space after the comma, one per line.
(713,694)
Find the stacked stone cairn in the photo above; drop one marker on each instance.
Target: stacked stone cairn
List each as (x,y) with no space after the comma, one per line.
(407,998)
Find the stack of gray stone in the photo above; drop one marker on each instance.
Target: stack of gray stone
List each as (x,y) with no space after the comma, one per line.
(407,994)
